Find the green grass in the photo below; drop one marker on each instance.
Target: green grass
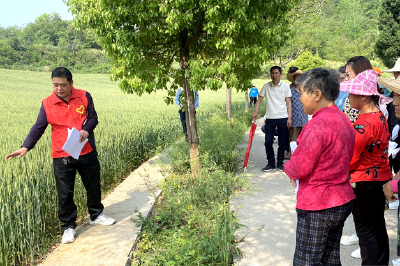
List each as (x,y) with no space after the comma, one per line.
(131,129)
(193,224)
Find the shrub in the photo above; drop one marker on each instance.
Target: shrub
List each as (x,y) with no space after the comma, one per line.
(307,61)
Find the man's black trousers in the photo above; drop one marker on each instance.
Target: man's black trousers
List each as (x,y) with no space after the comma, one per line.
(253,100)
(88,167)
(270,125)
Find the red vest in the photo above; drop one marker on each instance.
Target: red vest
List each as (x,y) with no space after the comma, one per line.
(62,116)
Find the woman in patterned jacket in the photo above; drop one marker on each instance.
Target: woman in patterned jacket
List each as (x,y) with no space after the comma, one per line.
(369,167)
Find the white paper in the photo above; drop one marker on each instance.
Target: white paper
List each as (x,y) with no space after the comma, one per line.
(293,146)
(296,188)
(395,132)
(392,146)
(72,146)
(395,152)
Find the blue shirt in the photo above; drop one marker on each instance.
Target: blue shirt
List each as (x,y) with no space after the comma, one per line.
(253,92)
(299,118)
(196,98)
(341,100)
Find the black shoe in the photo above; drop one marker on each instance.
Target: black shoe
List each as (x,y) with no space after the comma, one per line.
(268,168)
(280,167)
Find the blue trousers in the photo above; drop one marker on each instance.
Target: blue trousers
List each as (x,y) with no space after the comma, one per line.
(270,125)
(183,121)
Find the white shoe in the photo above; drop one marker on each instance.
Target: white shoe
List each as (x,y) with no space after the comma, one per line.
(103,219)
(394,205)
(351,240)
(356,253)
(68,236)
(396,262)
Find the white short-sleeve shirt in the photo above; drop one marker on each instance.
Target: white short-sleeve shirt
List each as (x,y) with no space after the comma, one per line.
(275,97)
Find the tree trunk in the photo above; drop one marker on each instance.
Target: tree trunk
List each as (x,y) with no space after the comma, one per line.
(190,114)
(229,103)
(246,96)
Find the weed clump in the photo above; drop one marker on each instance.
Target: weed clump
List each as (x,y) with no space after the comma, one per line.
(192,223)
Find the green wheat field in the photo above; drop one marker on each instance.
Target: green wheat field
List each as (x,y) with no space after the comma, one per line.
(130,130)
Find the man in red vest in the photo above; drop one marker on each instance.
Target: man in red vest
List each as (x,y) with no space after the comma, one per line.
(65,108)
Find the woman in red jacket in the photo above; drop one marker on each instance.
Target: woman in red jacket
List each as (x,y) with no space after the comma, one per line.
(321,165)
(369,167)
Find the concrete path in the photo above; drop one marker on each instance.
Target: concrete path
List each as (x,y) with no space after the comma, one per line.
(270,213)
(112,245)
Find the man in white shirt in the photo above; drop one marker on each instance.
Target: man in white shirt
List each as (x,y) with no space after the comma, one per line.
(278,114)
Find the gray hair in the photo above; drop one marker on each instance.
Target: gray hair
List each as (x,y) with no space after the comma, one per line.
(327,81)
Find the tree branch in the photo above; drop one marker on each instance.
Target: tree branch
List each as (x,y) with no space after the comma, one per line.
(158,44)
(172,57)
(307,8)
(198,34)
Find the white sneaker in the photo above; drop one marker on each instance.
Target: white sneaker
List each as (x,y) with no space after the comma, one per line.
(351,240)
(396,262)
(356,253)
(68,236)
(394,205)
(103,219)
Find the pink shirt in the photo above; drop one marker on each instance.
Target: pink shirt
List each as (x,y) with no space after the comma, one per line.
(321,161)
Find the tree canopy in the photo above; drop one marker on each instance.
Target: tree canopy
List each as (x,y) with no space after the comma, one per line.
(388,42)
(212,43)
(50,42)
(336,30)
(228,40)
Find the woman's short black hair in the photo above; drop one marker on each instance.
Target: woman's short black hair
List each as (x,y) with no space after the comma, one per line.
(342,69)
(293,69)
(327,81)
(62,72)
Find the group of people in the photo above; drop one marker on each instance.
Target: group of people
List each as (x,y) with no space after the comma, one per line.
(343,163)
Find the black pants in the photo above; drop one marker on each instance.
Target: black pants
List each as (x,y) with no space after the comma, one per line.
(270,125)
(88,167)
(183,121)
(368,214)
(253,100)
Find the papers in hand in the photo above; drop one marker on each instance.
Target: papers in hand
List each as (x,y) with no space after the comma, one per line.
(395,132)
(392,149)
(293,146)
(72,146)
